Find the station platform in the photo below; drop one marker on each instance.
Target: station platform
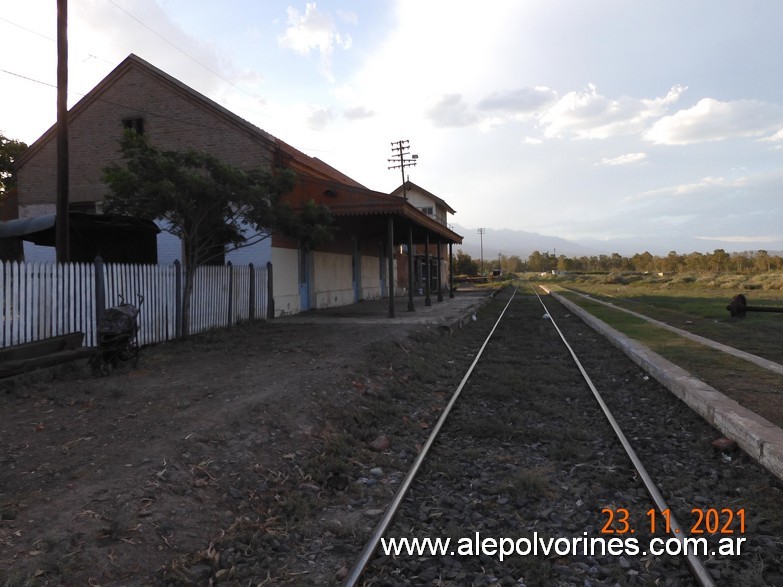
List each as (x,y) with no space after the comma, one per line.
(756,435)
(449,313)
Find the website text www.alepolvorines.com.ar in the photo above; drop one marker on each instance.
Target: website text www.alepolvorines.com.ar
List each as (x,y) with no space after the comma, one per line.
(536,545)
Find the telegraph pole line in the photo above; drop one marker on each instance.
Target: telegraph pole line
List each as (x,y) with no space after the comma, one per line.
(481,232)
(402,158)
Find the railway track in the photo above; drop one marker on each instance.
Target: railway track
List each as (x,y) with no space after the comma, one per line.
(525,478)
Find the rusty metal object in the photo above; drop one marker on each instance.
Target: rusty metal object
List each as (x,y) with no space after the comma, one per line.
(738,307)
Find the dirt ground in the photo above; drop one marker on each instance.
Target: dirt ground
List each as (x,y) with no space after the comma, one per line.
(247,456)
(108,480)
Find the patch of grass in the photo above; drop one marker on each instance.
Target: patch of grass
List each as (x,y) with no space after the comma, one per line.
(449,468)
(529,484)
(483,428)
(755,388)
(702,310)
(569,452)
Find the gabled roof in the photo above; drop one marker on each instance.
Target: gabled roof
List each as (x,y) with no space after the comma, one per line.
(409,185)
(293,157)
(313,166)
(357,201)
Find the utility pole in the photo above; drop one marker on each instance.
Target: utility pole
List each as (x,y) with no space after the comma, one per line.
(481,232)
(402,158)
(61,237)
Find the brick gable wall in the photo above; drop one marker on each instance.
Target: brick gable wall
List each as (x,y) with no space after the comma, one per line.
(173,119)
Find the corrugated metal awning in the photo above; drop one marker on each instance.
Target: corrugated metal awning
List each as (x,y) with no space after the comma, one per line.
(26,226)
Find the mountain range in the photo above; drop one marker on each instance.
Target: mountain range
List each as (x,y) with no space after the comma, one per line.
(522,243)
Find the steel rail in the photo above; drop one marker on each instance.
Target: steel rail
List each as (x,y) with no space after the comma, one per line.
(699,570)
(380,529)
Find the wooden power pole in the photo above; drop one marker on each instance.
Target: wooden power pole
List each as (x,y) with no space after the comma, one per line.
(402,159)
(62,242)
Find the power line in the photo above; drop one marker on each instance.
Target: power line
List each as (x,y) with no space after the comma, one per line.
(48,38)
(114,103)
(185,53)
(162,37)
(154,32)
(24,77)
(24,28)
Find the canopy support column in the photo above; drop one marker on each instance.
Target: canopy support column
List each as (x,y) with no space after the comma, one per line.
(427,300)
(390,231)
(411,307)
(451,271)
(440,277)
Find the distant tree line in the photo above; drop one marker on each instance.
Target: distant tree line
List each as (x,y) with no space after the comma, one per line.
(719,260)
(464,264)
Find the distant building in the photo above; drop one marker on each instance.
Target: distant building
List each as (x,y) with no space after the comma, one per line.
(438,210)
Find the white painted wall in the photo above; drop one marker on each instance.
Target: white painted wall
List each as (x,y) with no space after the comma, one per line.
(169,246)
(333,280)
(285,271)
(371,284)
(37,254)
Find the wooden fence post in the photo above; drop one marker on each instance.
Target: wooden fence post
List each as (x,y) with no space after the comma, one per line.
(230,292)
(100,290)
(270,299)
(251,311)
(177,299)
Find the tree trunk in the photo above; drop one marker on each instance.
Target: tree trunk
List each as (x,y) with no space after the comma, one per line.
(187,294)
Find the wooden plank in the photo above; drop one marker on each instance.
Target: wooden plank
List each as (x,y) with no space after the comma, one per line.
(17,367)
(42,347)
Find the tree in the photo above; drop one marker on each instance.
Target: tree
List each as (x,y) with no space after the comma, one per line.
(9,152)
(212,206)
(513,264)
(10,248)
(761,260)
(464,264)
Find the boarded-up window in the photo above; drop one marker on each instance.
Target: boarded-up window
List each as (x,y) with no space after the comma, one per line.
(136,124)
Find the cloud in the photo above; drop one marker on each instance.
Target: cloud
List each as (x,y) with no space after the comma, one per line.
(314,30)
(589,115)
(521,101)
(451,111)
(319,118)
(770,238)
(705,184)
(358,113)
(348,16)
(713,120)
(626,159)
(777,137)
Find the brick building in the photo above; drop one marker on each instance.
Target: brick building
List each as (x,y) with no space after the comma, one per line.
(137,95)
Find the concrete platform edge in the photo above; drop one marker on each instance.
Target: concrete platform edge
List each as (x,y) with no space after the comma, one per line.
(758,437)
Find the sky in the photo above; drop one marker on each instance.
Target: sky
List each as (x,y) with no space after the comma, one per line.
(622,124)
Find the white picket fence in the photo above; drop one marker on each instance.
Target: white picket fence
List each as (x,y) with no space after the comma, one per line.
(40,300)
